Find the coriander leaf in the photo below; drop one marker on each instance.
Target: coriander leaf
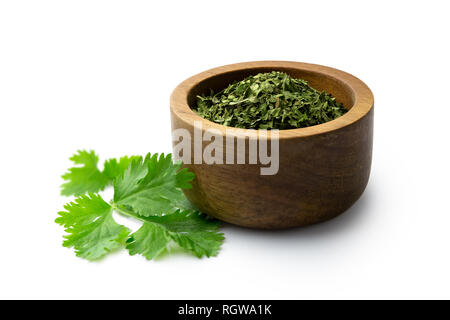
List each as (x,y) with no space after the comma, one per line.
(190,230)
(89,178)
(86,178)
(113,168)
(152,186)
(127,183)
(91,228)
(150,240)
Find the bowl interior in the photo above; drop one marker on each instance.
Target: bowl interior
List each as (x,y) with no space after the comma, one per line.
(319,81)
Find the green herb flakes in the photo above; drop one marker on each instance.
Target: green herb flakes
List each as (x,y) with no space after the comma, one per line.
(272,100)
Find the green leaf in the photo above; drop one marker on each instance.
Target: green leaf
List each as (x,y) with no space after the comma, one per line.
(113,168)
(91,228)
(190,230)
(86,178)
(150,240)
(152,186)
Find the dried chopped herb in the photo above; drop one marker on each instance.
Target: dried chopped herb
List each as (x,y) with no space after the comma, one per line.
(272,100)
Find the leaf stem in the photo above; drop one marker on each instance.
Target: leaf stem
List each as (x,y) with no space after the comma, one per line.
(123,211)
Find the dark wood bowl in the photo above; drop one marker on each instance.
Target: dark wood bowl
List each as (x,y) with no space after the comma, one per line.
(323,169)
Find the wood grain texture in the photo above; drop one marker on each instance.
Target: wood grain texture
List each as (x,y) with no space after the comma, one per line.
(323,169)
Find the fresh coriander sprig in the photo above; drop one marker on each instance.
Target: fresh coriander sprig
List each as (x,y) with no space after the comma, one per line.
(148,190)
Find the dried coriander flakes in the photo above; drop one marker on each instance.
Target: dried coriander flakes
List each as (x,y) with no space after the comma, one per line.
(272,100)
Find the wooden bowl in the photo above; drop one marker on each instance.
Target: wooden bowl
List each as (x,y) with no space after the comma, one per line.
(323,169)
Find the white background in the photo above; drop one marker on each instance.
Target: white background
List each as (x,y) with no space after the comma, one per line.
(98,75)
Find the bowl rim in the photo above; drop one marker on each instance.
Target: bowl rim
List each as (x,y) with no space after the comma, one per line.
(362,96)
